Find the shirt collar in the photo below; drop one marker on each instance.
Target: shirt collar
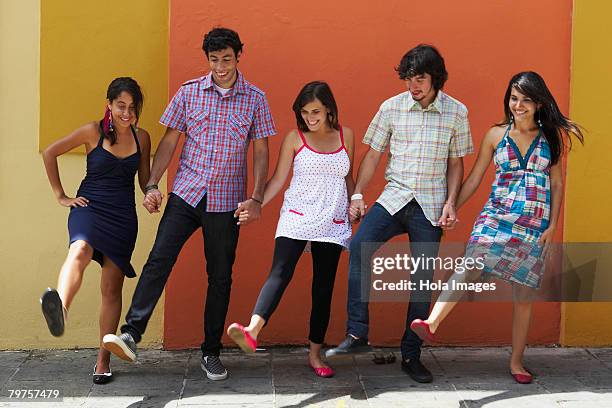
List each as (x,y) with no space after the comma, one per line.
(435,105)
(240,86)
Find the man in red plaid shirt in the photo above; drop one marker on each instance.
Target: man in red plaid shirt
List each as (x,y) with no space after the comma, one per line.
(219,114)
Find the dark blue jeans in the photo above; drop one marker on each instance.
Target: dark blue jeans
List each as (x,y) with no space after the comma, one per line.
(378,227)
(178,223)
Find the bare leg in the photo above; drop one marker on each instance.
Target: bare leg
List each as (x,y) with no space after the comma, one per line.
(314,356)
(521,319)
(111,286)
(257,323)
(71,274)
(448,299)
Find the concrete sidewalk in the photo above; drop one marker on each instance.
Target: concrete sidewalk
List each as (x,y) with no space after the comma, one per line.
(280,377)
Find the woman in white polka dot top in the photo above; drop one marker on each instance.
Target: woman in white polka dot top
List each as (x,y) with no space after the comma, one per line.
(315,209)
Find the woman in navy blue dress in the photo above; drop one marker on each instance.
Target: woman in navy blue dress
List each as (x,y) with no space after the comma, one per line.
(102,223)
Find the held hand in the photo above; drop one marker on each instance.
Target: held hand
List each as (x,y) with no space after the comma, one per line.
(73,202)
(448,219)
(153,201)
(247,212)
(360,207)
(354,215)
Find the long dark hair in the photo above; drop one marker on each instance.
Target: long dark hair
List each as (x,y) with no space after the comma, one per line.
(556,127)
(311,91)
(118,85)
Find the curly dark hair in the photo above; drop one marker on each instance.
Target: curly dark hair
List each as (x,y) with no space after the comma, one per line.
(423,59)
(219,38)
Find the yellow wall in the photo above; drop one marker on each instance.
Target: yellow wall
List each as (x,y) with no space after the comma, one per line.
(588,195)
(72,89)
(84,45)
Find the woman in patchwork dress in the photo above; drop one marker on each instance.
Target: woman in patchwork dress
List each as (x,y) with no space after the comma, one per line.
(519,220)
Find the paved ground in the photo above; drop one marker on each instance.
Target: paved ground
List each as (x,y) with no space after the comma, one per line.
(464,377)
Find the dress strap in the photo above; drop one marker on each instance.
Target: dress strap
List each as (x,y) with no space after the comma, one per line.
(102,135)
(302,137)
(507,132)
(135,138)
(342,137)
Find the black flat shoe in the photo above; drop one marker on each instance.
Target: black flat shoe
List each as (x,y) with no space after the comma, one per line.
(350,345)
(102,378)
(417,371)
(53,310)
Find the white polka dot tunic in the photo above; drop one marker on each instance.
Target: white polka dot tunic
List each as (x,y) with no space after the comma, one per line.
(316,203)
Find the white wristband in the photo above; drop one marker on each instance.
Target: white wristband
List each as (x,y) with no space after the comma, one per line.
(357,197)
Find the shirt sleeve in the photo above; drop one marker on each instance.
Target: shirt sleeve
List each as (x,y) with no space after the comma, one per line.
(174,116)
(379,132)
(263,124)
(461,140)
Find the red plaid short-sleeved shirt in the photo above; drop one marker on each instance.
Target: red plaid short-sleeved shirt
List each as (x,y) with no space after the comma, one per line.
(217,131)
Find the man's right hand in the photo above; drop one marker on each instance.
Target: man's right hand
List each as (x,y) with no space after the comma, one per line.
(153,201)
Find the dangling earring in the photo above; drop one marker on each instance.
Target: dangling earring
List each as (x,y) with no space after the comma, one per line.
(110,121)
(511,118)
(539,120)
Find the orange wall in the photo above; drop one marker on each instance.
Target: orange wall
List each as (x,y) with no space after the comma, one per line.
(355,46)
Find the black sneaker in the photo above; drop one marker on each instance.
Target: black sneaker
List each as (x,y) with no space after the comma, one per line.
(213,367)
(122,346)
(350,345)
(417,371)
(53,310)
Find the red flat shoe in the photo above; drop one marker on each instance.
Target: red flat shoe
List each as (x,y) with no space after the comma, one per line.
(242,338)
(522,378)
(324,372)
(421,329)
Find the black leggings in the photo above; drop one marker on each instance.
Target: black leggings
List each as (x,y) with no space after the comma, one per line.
(287,252)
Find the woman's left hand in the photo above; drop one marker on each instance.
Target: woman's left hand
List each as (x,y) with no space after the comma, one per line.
(546,239)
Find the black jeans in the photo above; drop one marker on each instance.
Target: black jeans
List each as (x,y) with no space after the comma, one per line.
(178,223)
(287,252)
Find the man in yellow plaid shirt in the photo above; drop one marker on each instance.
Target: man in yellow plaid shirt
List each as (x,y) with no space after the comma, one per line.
(427,133)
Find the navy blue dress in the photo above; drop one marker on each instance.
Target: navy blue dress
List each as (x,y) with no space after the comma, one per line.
(109,222)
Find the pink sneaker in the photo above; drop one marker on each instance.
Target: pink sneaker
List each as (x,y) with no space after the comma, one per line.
(242,338)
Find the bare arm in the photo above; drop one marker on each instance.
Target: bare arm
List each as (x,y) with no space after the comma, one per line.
(366,169)
(283,166)
(144,167)
(163,155)
(167,145)
(349,143)
(485,155)
(250,210)
(556,193)
(454,176)
(260,166)
(86,135)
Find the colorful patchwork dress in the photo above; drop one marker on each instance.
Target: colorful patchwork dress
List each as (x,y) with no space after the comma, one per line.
(517,213)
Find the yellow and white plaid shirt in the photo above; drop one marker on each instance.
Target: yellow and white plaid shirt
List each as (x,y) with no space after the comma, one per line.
(420,142)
